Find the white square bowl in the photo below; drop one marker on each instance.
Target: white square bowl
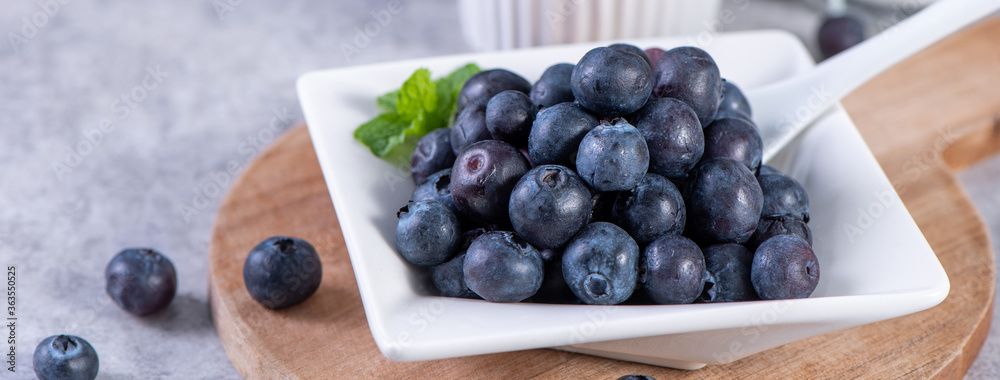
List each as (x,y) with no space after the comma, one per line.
(875,262)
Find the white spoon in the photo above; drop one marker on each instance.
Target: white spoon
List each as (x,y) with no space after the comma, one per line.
(785,108)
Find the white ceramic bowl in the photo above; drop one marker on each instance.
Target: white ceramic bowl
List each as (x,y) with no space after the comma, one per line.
(875,263)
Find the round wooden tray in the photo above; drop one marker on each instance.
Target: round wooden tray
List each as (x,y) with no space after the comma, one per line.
(923,119)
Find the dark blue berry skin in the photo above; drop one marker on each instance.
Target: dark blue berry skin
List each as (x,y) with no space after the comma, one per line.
(428,233)
(449,278)
(549,205)
(783,195)
(728,268)
(766,169)
(141,281)
(65,357)
(724,202)
(612,157)
(734,100)
(282,271)
(469,128)
(652,209)
(501,267)
(554,288)
(553,86)
(730,114)
(673,270)
(782,225)
(509,116)
(556,134)
(784,267)
(435,187)
(837,34)
(734,138)
(675,137)
(601,264)
(636,377)
(432,154)
(631,49)
(611,83)
(602,206)
(482,179)
(690,74)
(482,86)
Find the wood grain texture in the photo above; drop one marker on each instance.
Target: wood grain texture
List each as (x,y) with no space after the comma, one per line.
(928,116)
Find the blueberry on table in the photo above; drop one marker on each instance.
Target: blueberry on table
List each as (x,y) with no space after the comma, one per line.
(432,154)
(611,83)
(601,264)
(724,202)
(652,209)
(501,267)
(449,279)
(837,34)
(783,195)
(480,87)
(636,377)
(690,75)
(784,267)
(549,205)
(509,116)
(632,49)
(65,357)
(482,179)
(734,138)
(612,157)
(728,267)
(782,225)
(553,86)
(733,100)
(140,280)
(282,271)
(556,134)
(428,233)
(470,127)
(675,137)
(673,270)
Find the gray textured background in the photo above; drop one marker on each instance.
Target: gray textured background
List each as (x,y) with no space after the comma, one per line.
(70,197)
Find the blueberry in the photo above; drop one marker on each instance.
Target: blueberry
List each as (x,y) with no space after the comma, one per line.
(690,75)
(428,233)
(673,270)
(470,127)
(654,55)
(766,169)
(612,157)
(553,86)
(784,267)
(837,34)
(734,138)
(554,288)
(432,154)
(480,87)
(636,377)
(65,357)
(724,202)
(601,264)
(482,179)
(449,279)
(435,188)
(783,195)
(549,205)
(728,268)
(782,225)
(675,136)
(141,281)
(734,100)
(501,267)
(509,116)
(282,271)
(556,134)
(652,209)
(611,83)
(631,49)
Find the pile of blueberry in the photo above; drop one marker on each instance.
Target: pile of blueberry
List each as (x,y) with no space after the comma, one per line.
(631,177)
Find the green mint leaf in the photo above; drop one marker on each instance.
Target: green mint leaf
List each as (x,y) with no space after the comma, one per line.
(417,94)
(449,86)
(387,102)
(382,133)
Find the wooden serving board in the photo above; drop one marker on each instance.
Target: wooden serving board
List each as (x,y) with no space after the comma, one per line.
(935,113)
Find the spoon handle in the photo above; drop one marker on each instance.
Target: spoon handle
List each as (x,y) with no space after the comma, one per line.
(785,108)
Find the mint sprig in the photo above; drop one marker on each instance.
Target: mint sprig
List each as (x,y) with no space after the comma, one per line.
(418,107)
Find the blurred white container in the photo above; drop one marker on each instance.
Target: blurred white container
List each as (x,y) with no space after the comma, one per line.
(508,24)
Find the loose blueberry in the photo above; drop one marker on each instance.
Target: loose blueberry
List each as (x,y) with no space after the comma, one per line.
(482,86)
(734,138)
(611,83)
(141,281)
(652,209)
(482,179)
(837,34)
(65,357)
(428,233)
(784,267)
(613,157)
(553,86)
(509,116)
(783,195)
(636,377)
(502,267)
(690,75)
(449,279)
(470,127)
(675,137)
(549,205)
(282,271)
(673,270)
(556,134)
(728,268)
(432,154)
(724,202)
(601,264)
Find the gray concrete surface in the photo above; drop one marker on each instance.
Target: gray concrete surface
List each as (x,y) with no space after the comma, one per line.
(116,118)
